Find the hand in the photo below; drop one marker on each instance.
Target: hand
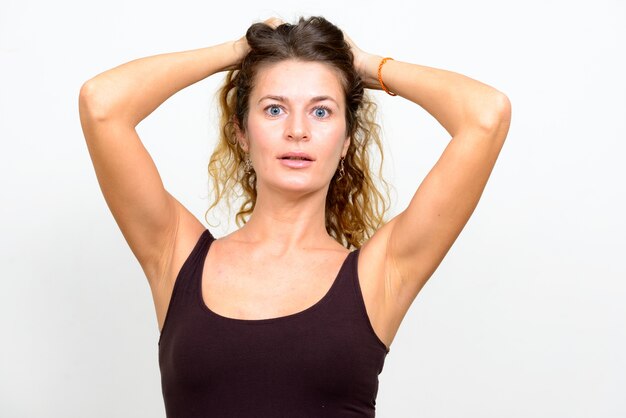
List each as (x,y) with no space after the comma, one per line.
(363,63)
(241,45)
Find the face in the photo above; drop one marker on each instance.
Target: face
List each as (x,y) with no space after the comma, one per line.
(296,108)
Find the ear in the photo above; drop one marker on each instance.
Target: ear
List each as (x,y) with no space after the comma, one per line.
(241,136)
(346,145)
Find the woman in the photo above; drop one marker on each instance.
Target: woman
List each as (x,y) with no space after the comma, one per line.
(280,318)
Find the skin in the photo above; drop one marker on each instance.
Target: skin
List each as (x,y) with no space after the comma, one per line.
(294,197)
(283,261)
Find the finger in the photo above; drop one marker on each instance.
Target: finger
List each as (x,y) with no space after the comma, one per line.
(274,22)
(350,42)
(347,38)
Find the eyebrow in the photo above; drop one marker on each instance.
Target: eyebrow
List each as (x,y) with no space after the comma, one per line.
(286,100)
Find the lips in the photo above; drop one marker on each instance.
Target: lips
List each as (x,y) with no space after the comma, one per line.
(296,160)
(297,156)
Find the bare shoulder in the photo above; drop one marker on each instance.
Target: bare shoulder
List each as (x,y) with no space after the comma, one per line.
(374,257)
(375,271)
(189,230)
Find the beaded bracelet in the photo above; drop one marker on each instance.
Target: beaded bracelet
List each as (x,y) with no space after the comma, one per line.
(380,76)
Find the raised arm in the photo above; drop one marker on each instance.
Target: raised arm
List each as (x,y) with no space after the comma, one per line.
(477,117)
(111,105)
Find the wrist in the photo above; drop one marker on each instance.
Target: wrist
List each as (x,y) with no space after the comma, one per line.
(368,69)
(233,53)
(241,48)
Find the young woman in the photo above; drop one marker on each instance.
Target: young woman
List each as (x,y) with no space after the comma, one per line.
(293,313)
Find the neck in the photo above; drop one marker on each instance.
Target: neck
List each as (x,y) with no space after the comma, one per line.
(289,222)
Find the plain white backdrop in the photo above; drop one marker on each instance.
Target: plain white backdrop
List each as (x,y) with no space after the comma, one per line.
(524,318)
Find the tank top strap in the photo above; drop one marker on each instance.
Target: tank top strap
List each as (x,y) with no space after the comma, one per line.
(351,298)
(322,361)
(184,286)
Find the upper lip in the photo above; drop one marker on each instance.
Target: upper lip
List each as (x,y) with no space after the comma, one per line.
(302,155)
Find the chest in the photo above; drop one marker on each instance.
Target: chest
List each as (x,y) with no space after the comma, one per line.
(256,287)
(311,360)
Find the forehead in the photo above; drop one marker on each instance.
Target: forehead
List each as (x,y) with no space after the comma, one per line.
(298,80)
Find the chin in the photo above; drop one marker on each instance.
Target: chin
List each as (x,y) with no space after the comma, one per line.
(299,184)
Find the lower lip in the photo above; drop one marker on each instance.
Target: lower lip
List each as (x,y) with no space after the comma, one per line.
(296,163)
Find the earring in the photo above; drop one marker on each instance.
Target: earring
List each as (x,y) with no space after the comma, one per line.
(341,170)
(248,164)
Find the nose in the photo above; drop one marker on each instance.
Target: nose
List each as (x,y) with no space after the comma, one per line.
(297,127)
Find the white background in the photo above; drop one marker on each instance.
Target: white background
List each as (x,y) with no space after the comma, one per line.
(524,317)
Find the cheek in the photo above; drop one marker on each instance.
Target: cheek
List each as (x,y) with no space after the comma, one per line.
(337,139)
(261,145)
(256,134)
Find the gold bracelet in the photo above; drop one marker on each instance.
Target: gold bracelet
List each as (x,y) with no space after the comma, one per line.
(380,76)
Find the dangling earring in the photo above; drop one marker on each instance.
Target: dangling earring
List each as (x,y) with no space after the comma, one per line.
(341,170)
(248,164)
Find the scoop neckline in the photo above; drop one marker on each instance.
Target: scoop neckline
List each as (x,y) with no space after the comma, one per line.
(295,315)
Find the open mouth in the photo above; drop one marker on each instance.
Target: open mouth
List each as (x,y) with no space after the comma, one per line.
(296,156)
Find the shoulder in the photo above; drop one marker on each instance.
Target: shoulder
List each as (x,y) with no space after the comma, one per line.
(377,287)
(372,265)
(373,253)
(187,236)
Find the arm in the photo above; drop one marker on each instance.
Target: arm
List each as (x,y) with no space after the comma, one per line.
(477,117)
(111,105)
(130,92)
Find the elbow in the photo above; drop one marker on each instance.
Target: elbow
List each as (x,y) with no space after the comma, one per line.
(92,102)
(502,110)
(495,116)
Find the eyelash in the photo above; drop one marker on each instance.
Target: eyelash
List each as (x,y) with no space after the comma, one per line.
(326,108)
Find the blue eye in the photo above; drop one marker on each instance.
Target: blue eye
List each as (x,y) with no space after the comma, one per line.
(273,110)
(321,112)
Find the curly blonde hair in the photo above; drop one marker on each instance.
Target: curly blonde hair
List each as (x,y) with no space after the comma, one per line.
(355,207)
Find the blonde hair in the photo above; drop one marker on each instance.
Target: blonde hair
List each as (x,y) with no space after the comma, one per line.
(355,208)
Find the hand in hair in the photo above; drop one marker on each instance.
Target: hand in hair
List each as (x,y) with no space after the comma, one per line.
(360,59)
(241,44)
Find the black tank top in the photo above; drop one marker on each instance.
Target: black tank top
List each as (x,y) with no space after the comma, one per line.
(320,362)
